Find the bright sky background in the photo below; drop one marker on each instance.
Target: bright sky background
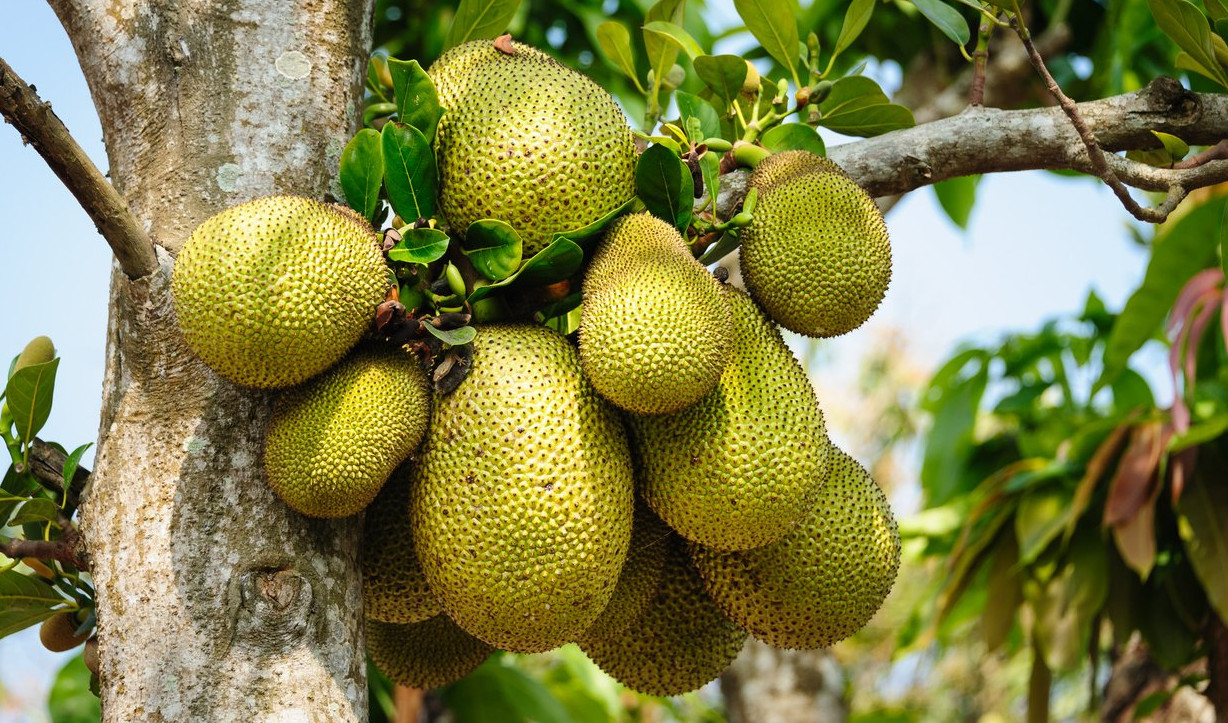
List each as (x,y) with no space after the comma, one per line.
(1036,244)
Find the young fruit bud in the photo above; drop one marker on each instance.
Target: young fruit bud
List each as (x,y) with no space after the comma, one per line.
(40,350)
(673,78)
(58,633)
(819,91)
(455,281)
(750,86)
(38,567)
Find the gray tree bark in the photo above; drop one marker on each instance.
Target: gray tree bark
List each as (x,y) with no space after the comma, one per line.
(215,600)
(766,685)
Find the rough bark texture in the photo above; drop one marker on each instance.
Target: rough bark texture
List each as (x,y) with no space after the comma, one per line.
(766,685)
(216,601)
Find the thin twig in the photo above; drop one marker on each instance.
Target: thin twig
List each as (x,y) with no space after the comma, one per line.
(1217,152)
(39,126)
(980,59)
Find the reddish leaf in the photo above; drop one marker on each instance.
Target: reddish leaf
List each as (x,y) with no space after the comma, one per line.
(1136,537)
(1135,480)
(1182,467)
(1203,282)
(1096,467)
(1189,318)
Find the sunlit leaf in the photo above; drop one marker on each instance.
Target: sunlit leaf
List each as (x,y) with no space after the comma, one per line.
(946,18)
(661,49)
(855,20)
(420,246)
(493,247)
(724,75)
(1039,519)
(362,172)
(417,101)
(29,393)
(857,106)
(615,42)
(677,35)
(793,137)
(452,337)
(409,171)
(692,106)
(25,601)
(773,24)
(500,693)
(1185,24)
(477,19)
(957,196)
(663,182)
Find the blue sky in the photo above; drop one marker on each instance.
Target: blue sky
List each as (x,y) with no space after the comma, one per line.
(1036,244)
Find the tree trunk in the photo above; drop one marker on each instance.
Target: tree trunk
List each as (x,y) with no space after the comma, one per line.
(215,600)
(766,685)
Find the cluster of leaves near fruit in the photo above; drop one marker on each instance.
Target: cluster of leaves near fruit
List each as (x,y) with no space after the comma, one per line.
(1055,483)
(34,589)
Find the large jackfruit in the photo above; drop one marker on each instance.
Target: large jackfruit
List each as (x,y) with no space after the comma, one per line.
(523,500)
(654,330)
(681,642)
(640,576)
(331,443)
(528,141)
(816,255)
(428,654)
(274,291)
(742,466)
(394,589)
(825,579)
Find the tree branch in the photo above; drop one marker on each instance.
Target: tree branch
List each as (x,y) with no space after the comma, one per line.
(986,140)
(47,464)
(67,549)
(39,126)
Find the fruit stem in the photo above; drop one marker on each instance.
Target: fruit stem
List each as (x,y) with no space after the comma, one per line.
(748,154)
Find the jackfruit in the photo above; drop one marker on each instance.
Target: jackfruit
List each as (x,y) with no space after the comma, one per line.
(825,579)
(816,255)
(39,350)
(427,654)
(59,632)
(528,141)
(681,642)
(640,576)
(394,590)
(274,291)
(523,500)
(742,466)
(331,443)
(654,327)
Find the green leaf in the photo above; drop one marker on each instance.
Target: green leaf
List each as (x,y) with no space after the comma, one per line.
(478,19)
(1216,9)
(664,184)
(1180,250)
(793,137)
(855,20)
(70,699)
(957,196)
(1176,147)
(72,462)
(692,106)
(662,51)
(724,75)
(38,509)
(946,18)
(493,247)
(677,35)
(586,234)
(710,171)
(1202,509)
(858,107)
(362,172)
(1185,24)
(562,258)
(948,446)
(774,25)
(499,693)
(25,601)
(417,101)
(1040,517)
(452,337)
(1185,61)
(1005,592)
(409,171)
(420,246)
(1199,433)
(719,250)
(29,393)
(615,43)
(1066,610)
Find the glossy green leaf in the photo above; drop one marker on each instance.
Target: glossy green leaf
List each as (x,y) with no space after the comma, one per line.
(29,393)
(614,40)
(663,182)
(25,601)
(70,699)
(724,75)
(478,19)
(586,235)
(793,137)
(73,461)
(1039,519)
(38,509)
(661,50)
(1176,147)
(1185,24)
(499,693)
(946,18)
(452,337)
(857,106)
(362,172)
(416,99)
(677,35)
(855,20)
(957,196)
(493,247)
(409,171)
(774,25)
(558,261)
(692,106)
(1182,249)
(710,171)
(724,246)
(420,246)
(1203,509)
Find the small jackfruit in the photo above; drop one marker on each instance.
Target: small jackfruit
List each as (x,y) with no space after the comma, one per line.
(424,655)
(654,327)
(528,141)
(274,291)
(59,632)
(640,576)
(825,579)
(331,443)
(523,500)
(394,589)
(681,642)
(816,255)
(39,350)
(742,466)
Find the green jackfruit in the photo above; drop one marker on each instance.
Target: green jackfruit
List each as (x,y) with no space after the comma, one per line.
(523,500)
(816,255)
(824,580)
(681,642)
(640,576)
(424,655)
(331,443)
(528,141)
(394,589)
(741,467)
(654,328)
(39,350)
(272,292)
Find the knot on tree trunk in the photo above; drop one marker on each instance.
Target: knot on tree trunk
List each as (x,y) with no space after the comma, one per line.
(1168,97)
(274,610)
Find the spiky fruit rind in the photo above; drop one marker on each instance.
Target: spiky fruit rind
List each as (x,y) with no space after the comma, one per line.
(394,589)
(742,466)
(39,350)
(58,633)
(680,643)
(528,141)
(331,443)
(523,501)
(654,330)
(639,579)
(816,255)
(426,654)
(823,581)
(271,292)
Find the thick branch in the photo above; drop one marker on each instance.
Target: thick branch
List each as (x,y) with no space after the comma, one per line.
(67,549)
(40,127)
(47,464)
(985,140)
